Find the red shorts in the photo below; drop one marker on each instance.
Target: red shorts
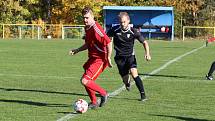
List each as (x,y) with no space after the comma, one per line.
(93,68)
(211,39)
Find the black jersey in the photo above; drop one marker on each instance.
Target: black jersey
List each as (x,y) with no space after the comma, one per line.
(124,40)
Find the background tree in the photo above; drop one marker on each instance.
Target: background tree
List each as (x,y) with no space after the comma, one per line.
(12,12)
(208,13)
(69,11)
(186,12)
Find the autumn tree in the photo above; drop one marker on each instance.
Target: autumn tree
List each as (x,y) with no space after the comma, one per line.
(186,12)
(207,13)
(12,12)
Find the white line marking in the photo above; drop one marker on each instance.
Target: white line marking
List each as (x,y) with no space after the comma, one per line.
(67,117)
(119,90)
(174,60)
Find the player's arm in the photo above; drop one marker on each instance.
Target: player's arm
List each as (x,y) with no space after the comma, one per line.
(145,45)
(109,52)
(147,53)
(75,51)
(110,34)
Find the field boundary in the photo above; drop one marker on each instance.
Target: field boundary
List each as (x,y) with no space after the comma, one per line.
(119,90)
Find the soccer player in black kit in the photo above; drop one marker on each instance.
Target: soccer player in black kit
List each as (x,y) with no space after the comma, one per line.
(123,39)
(209,76)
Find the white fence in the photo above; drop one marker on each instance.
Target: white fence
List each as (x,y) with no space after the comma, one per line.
(41,31)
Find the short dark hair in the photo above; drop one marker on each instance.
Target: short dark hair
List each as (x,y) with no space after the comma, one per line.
(86,10)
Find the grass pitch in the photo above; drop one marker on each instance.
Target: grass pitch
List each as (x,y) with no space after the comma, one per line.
(39,81)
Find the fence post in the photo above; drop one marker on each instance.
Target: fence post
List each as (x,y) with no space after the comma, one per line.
(20,32)
(214,31)
(32,32)
(38,32)
(3,31)
(183,33)
(62,31)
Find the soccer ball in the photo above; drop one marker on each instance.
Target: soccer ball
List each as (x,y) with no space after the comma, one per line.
(80,106)
(163,29)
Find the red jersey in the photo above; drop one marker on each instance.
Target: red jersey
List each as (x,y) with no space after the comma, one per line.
(96,40)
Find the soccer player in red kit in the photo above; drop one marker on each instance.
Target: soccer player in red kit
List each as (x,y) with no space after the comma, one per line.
(99,49)
(211,39)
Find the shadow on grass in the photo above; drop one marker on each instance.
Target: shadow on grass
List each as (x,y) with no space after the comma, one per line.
(123,98)
(42,91)
(34,103)
(172,76)
(69,113)
(181,118)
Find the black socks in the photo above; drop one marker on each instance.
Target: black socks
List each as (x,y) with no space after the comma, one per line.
(139,84)
(211,69)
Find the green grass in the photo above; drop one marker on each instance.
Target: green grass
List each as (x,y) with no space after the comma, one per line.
(39,81)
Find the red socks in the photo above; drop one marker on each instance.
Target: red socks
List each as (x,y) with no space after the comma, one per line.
(91,87)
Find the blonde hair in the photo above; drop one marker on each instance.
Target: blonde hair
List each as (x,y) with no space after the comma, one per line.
(121,14)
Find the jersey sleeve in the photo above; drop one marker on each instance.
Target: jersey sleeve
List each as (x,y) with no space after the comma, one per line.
(138,36)
(110,32)
(101,35)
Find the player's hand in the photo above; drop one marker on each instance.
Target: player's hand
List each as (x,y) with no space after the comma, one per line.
(109,63)
(73,51)
(148,57)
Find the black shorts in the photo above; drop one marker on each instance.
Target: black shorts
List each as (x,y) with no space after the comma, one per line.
(125,63)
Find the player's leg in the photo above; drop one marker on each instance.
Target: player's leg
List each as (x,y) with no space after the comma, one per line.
(91,93)
(99,68)
(93,104)
(89,77)
(138,83)
(127,81)
(96,88)
(209,76)
(135,76)
(123,69)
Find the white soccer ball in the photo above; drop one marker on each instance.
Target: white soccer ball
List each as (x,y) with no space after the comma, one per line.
(49,36)
(80,106)
(163,29)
